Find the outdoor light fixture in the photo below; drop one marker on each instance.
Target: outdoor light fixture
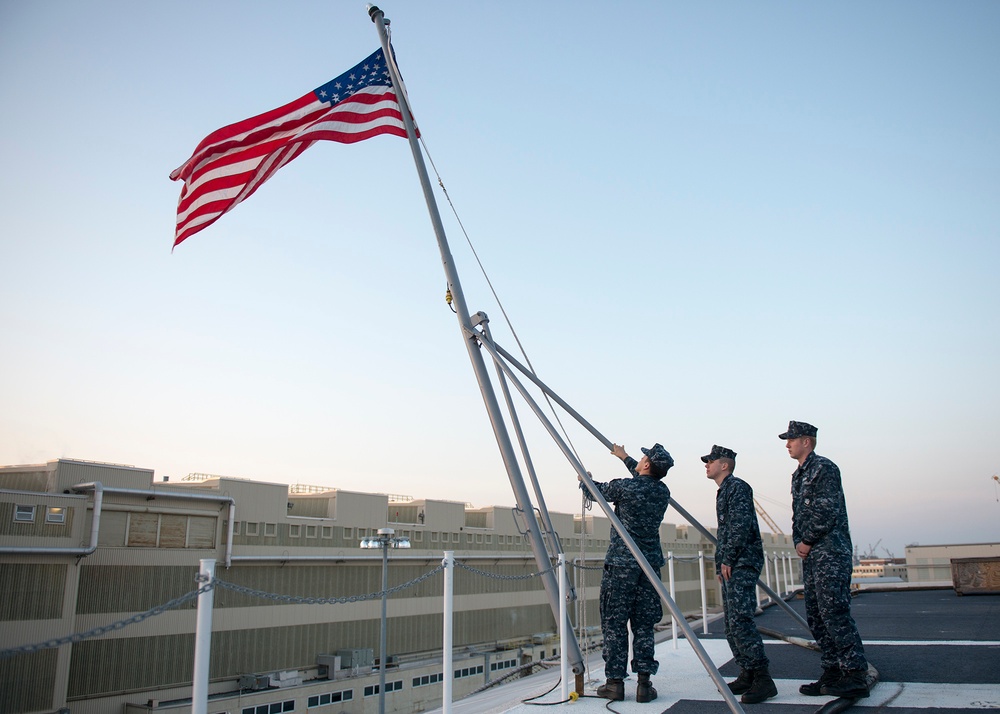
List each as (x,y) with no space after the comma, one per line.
(386,539)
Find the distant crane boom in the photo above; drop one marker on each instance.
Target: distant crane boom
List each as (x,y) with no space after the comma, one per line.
(767,518)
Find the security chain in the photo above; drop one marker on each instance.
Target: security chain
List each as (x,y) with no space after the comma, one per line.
(97,631)
(188,597)
(497,576)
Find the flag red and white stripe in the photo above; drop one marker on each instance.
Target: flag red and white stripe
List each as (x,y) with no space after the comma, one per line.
(234,161)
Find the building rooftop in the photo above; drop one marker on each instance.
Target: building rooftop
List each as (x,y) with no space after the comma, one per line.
(935,651)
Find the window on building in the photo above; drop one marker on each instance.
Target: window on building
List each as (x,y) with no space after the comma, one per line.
(55,514)
(479,537)
(326,532)
(468,671)
(273,708)
(236,527)
(505,664)
(427,679)
(372,689)
(294,530)
(252,529)
(348,533)
(434,537)
(322,700)
(270,530)
(444,538)
(454,537)
(24,514)
(311,531)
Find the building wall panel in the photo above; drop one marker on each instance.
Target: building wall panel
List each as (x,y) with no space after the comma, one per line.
(201,532)
(27,682)
(32,591)
(114,526)
(142,530)
(117,589)
(502,623)
(71,473)
(106,666)
(173,531)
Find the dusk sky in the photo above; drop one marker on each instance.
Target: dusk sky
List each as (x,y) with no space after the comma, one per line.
(702,219)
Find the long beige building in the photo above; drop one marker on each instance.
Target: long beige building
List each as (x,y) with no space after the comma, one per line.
(91,552)
(933,563)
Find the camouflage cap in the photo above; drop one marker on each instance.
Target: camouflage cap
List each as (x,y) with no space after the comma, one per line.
(719,452)
(659,458)
(797,429)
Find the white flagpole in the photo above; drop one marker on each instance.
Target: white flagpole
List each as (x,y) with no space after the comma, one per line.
(471,339)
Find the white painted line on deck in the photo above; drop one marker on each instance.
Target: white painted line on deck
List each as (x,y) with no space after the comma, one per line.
(914,643)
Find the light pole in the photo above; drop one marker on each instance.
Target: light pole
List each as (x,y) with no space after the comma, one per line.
(386,539)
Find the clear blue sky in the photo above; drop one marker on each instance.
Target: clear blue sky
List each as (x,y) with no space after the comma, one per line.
(704,219)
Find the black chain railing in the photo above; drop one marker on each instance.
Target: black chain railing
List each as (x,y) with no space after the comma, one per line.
(251,592)
(98,631)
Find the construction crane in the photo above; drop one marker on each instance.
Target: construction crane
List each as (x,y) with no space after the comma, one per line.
(763,514)
(871,554)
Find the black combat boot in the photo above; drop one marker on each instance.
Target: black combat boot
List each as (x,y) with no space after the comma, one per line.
(815,689)
(761,689)
(644,691)
(613,689)
(741,683)
(851,685)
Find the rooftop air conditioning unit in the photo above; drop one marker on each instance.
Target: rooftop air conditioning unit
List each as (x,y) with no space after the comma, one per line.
(255,681)
(290,678)
(328,665)
(351,659)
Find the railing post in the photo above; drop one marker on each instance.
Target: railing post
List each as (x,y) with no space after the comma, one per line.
(563,631)
(767,573)
(704,594)
(203,639)
(449,616)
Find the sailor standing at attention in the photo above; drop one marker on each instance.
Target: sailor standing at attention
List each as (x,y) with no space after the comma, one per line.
(627,595)
(739,558)
(822,539)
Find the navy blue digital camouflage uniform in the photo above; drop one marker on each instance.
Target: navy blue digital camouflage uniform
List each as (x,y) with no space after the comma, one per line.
(740,548)
(627,596)
(819,519)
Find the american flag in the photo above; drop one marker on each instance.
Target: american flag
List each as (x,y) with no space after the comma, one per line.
(232,162)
